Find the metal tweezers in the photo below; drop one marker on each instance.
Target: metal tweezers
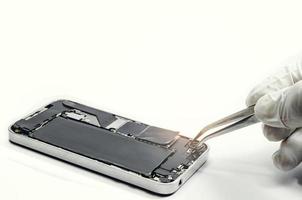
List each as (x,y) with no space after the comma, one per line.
(231,123)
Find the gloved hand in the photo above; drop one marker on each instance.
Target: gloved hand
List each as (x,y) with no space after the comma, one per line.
(278,102)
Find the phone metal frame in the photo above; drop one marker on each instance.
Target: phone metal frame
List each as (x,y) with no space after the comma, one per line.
(109,170)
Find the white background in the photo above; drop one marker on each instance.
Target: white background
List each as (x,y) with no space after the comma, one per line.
(174,64)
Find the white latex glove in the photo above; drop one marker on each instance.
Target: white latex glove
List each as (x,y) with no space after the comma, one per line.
(278,102)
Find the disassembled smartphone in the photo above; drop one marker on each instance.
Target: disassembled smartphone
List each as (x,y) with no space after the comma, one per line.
(152,158)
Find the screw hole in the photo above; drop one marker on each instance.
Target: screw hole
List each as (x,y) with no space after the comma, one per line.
(180,182)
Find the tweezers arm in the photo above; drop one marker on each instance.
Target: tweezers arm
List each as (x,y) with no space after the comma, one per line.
(237,125)
(232,122)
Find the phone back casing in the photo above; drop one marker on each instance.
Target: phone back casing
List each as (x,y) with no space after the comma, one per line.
(156,159)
